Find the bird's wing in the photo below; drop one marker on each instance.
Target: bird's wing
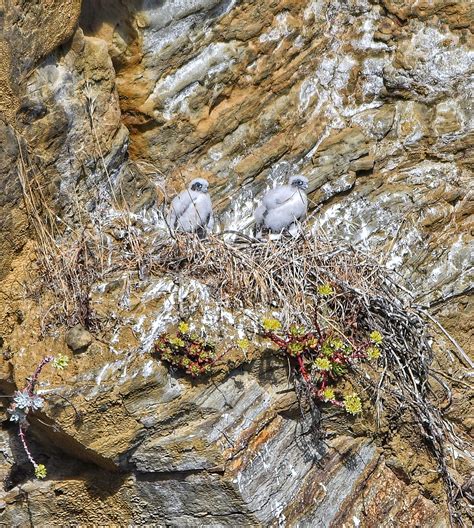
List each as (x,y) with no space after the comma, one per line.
(300,205)
(179,205)
(206,207)
(278,196)
(210,221)
(282,217)
(259,214)
(197,213)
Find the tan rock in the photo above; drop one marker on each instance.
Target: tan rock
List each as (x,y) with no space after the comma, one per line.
(29,34)
(447,118)
(78,339)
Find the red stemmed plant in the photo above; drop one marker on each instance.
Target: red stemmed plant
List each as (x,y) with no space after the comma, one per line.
(321,357)
(186,351)
(28,401)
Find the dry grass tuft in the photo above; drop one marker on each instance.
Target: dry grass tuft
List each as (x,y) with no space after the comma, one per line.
(73,257)
(283,274)
(67,264)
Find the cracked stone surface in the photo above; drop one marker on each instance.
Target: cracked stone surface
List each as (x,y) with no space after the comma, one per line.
(371,101)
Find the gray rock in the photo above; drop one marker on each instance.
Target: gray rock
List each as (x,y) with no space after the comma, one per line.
(78,339)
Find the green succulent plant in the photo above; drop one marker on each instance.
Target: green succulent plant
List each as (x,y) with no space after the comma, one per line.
(326,290)
(352,403)
(271,325)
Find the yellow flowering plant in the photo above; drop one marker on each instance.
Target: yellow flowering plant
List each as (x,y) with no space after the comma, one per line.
(243,344)
(183,327)
(322,364)
(352,403)
(320,357)
(376,337)
(40,471)
(326,290)
(271,325)
(328,394)
(373,352)
(60,362)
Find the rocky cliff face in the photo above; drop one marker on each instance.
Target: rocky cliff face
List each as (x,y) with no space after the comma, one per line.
(108,103)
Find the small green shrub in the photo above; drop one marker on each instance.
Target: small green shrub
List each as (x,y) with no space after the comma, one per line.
(186,351)
(322,358)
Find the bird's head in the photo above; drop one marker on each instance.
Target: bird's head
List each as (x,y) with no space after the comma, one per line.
(300,182)
(199,184)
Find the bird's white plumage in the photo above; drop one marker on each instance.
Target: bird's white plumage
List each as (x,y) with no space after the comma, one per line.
(191,211)
(278,196)
(283,206)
